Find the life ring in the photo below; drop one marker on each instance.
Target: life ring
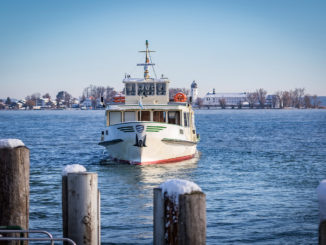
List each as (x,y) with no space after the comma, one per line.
(180,97)
(119,99)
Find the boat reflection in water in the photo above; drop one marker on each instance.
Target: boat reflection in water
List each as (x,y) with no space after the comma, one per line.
(147,177)
(129,191)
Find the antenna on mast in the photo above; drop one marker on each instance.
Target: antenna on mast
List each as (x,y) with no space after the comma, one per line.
(146,64)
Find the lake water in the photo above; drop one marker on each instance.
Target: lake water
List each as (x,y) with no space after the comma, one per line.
(258,168)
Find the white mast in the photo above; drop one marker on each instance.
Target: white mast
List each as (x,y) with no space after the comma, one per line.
(146,64)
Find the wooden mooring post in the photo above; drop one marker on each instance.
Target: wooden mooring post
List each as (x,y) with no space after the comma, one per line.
(81,208)
(321,193)
(14,184)
(179,214)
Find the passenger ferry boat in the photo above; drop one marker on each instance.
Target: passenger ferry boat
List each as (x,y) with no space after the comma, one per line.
(144,127)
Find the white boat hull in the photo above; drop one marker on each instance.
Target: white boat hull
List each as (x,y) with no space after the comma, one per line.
(149,142)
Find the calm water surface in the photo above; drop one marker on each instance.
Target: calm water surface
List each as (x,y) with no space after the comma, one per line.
(258,168)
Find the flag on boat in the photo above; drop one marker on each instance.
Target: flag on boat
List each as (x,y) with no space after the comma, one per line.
(140,103)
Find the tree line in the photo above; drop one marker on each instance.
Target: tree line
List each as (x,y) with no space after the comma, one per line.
(296,98)
(63,99)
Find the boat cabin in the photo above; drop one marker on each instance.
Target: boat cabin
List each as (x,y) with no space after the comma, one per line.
(174,115)
(146,91)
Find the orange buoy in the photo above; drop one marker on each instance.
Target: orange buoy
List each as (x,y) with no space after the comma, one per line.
(180,97)
(119,99)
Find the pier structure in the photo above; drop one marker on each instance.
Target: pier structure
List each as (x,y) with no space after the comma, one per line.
(179,213)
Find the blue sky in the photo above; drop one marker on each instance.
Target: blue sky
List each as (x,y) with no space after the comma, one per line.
(232,46)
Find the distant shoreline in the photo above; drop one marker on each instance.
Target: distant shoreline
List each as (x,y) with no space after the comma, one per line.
(196,109)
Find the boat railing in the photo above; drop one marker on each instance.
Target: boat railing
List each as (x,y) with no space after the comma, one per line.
(49,237)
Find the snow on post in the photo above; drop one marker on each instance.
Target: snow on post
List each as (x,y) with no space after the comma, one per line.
(10,143)
(73,168)
(179,213)
(175,187)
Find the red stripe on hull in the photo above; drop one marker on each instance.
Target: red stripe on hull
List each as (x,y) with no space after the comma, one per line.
(170,160)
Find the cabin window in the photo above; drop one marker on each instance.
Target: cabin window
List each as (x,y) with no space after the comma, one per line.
(144,116)
(174,117)
(161,89)
(115,117)
(131,89)
(145,89)
(186,119)
(159,116)
(130,116)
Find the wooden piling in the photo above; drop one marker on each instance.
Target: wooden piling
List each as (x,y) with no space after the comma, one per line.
(322,233)
(158,214)
(14,186)
(321,193)
(192,219)
(80,207)
(182,222)
(64,207)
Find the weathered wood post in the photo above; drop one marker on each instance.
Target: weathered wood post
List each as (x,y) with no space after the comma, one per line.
(80,205)
(179,213)
(14,184)
(321,193)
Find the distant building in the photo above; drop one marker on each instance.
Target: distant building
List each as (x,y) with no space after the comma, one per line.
(40,102)
(231,100)
(272,101)
(91,103)
(194,92)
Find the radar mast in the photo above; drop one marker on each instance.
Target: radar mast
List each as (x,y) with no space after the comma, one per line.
(147,63)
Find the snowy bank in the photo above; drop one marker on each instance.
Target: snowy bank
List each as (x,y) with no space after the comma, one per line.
(73,168)
(10,143)
(175,187)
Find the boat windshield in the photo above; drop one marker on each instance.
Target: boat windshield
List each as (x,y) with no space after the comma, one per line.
(144,116)
(159,116)
(174,117)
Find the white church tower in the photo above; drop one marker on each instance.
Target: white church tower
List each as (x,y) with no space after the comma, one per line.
(194,92)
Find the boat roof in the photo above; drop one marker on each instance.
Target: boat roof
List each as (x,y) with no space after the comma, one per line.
(226,94)
(169,106)
(141,80)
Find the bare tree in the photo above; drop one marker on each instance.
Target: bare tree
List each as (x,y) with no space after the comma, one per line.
(286,98)
(29,102)
(315,101)
(8,101)
(67,99)
(222,102)
(94,93)
(275,100)
(307,101)
(279,96)
(300,94)
(100,91)
(109,94)
(35,96)
(252,99)
(297,97)
(64,98)
(46,96)
(261,96)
